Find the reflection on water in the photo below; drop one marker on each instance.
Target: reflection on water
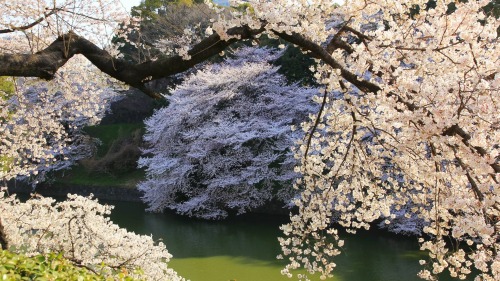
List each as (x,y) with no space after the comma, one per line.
(245,249)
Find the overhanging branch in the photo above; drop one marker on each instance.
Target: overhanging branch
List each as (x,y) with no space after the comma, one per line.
(45,63)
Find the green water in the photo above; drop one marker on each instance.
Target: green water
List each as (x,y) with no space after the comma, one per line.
(245,249)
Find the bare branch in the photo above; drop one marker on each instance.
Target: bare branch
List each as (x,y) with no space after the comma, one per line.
(28,26)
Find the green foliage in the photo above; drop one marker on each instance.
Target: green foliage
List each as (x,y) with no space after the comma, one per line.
(120,150)
(150,8)
(43,267)
(51,266)
(7,89)
(109,134)
(81,176)
(245,7)
(295,66)
(6,163)
(162,19)
(115,163)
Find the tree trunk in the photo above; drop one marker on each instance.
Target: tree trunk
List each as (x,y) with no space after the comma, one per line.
(3,239)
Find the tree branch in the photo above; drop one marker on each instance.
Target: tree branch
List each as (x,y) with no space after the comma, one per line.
(456,130)
(319,52)
(28,26)
(44,64)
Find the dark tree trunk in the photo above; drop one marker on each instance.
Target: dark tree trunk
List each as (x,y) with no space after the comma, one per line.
(3,239)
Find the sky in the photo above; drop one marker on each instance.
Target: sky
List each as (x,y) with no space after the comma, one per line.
(129,3)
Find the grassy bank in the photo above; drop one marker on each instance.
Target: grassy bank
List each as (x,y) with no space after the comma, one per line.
(115,161)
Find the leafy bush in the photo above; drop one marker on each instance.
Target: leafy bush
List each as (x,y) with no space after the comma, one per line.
(47,267)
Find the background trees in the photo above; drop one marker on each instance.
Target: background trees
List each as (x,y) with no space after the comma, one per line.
(162,27)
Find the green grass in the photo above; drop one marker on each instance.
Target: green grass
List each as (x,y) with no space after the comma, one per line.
(107,134)
(79,176)
(112,138)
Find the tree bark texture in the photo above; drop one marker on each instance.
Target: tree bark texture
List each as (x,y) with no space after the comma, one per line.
(45,63)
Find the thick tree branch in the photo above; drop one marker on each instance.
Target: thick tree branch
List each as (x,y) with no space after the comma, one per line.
(44,64)
(456,130)
(336,43)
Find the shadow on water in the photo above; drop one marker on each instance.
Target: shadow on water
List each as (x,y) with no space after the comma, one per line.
(189,238)
(245,248)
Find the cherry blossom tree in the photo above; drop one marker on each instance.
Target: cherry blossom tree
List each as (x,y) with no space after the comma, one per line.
(419,78)
(39,128)
(223,143)
(81,232)
(41,121)
(424,87)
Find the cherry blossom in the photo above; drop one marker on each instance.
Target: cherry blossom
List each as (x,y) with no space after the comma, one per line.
(408,114)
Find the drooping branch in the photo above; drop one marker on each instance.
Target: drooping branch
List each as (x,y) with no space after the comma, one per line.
(319,52)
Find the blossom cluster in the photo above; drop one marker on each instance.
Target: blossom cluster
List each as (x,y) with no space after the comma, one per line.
(41,122)
(79,228)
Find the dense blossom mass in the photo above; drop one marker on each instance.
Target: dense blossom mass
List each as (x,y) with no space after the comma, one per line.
(223,143)
(416,126)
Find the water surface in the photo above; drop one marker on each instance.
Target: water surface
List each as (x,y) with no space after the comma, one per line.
(245,248)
